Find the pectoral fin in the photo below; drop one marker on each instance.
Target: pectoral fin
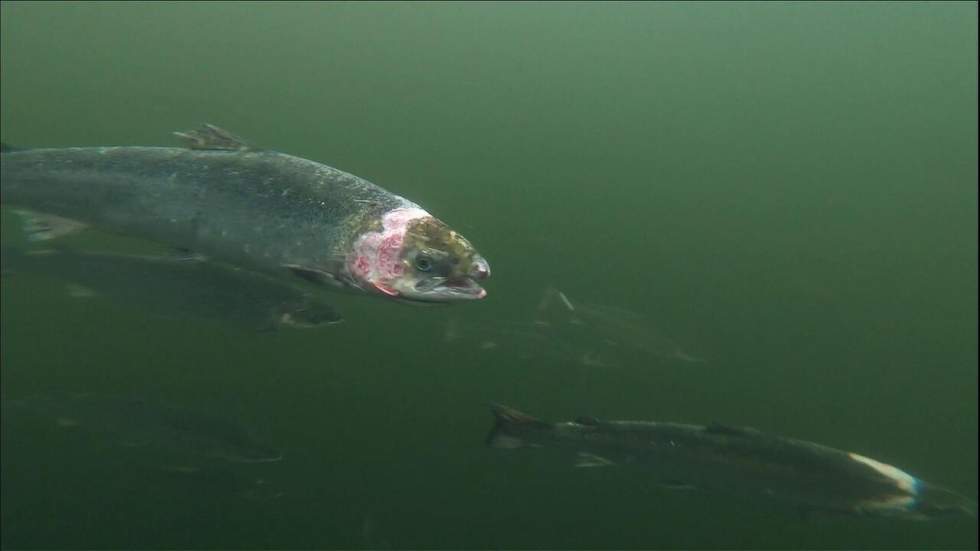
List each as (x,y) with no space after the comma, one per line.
(311,274)
(309,315)
(592,460)
(314,275)
(39,226)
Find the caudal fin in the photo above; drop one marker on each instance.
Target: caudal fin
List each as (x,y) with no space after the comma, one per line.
(507,427)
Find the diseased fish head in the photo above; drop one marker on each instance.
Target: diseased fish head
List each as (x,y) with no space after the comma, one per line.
(416,257)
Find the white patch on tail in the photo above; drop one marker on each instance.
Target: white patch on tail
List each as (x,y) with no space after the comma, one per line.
(902,479)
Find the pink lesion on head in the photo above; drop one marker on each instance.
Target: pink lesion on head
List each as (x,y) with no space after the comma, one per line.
(376,258)
(361,265)
(388,255)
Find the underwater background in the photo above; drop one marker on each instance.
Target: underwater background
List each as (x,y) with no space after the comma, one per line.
(787,192)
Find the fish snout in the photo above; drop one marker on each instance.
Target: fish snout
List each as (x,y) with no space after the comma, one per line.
(480,269)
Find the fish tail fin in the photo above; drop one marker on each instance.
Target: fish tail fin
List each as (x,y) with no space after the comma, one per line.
(507,424)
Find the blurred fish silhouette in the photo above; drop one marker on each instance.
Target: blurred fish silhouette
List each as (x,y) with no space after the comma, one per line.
(577,332)
(723,459)
(607,335)
(165,429)
(174,286)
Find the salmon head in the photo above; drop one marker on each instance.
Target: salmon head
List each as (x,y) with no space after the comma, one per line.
(412,255)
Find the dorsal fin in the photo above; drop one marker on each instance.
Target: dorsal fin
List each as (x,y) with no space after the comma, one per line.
(210,136)
(586,420)
(509,415)
(718,428)
(510,427)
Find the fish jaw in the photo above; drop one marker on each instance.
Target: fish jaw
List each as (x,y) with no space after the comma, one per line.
(413,256)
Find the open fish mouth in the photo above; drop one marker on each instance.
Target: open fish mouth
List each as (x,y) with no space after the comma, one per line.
(465,289)
(440,289)
(455,287)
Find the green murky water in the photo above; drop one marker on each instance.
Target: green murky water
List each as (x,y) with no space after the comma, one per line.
(785,191)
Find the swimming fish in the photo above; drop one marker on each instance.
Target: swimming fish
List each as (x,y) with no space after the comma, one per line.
(135,422)
(520,339)
(175,286)
(604,335)
(219,480)
(737,460)
(256,209)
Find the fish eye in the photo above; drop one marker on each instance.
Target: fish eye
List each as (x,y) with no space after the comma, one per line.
(423,263)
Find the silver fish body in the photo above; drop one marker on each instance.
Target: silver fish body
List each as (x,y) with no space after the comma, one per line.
(176,287)
(605,335)
(135,422)
(740,461)
(262,210)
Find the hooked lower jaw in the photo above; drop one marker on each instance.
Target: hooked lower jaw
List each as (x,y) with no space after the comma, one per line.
(472,290)
(466,289)
(461,287)
(479,271)
(447,290)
